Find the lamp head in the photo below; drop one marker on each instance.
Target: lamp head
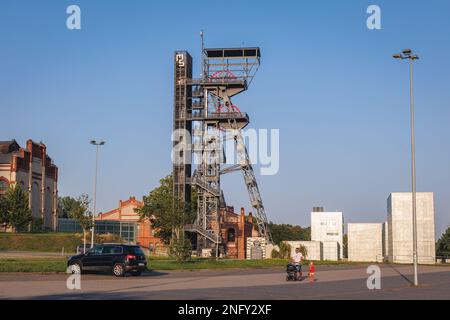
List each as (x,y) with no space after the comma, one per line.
(397,56)
(407,52)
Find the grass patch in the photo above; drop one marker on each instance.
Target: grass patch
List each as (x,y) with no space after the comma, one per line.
(48,242)
(41,242)
(40,265)
(58,264)
(199,263)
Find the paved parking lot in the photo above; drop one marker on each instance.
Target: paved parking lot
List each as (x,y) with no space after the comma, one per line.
(332,282)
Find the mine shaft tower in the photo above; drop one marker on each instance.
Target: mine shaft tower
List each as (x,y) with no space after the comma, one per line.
(203,111)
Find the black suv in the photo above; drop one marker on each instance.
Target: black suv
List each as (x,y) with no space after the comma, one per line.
(116,258)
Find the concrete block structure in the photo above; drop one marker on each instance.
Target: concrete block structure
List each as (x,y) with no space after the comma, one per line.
(365,242)
(314,248)
(400,228)
(256,248)
(328,227)
(331,251)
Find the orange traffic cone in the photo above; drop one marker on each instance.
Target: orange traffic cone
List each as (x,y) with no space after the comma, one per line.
(311,272)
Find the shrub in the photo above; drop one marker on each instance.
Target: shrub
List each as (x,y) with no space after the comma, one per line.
(285,250)
(181,249)
(37,225)
(304,251)
(275,254)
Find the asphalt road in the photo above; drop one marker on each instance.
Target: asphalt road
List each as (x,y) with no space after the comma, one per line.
(332,282)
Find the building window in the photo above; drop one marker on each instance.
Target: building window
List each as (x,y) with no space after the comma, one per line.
(4,185)
(231,235)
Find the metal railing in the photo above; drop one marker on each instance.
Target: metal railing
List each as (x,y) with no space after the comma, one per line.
(219,115)
(207,234)
(205,186)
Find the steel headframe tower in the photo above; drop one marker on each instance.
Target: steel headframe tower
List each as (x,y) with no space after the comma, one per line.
(182,127)
(204,110)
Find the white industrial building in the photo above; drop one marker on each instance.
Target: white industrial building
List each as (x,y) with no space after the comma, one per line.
(328,228)
(365,242)
(390,241)
(400,228)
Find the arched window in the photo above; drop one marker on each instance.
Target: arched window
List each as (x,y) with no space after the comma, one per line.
(36,200)
(231,235)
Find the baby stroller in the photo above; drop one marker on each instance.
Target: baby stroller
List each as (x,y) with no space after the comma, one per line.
(294,272)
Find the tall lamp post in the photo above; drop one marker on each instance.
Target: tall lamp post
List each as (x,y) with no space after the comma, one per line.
(97,145)
(407,54)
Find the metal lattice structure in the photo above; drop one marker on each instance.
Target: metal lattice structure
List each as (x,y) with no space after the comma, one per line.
(203,107)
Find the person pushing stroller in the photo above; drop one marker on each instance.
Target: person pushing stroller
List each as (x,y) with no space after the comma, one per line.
(296,263)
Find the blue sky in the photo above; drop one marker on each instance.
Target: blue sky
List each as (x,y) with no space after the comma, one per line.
(326,81)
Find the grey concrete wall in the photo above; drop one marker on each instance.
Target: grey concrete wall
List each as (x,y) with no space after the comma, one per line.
(400,225)
(331,250)
(250,243)
(365,242)
(314,248)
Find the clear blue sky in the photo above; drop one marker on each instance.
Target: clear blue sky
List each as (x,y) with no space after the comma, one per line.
(326,81)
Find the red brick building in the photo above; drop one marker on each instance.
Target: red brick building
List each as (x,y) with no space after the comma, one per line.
(145,234)
(234,230)
(32,170)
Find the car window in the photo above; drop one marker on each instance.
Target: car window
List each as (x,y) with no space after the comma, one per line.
(112,250)
(136,251)
(96,250)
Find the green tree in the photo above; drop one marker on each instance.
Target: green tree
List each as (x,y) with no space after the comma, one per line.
(65,205)
(443,244)
(304,251)
(287,232)
(345,246)
(81,214)
(14,209)
(3,213)
(168,216)
(285,250)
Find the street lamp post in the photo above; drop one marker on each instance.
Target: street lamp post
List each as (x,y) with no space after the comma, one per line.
(407,54)
(97,145)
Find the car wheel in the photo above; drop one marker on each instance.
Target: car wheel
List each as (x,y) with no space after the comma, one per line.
(75,268)
(119,270)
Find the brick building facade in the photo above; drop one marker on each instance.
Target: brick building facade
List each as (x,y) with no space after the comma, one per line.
(235,229)
(33,170)
(145,235)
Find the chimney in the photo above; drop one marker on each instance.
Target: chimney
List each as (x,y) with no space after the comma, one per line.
(318,209)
